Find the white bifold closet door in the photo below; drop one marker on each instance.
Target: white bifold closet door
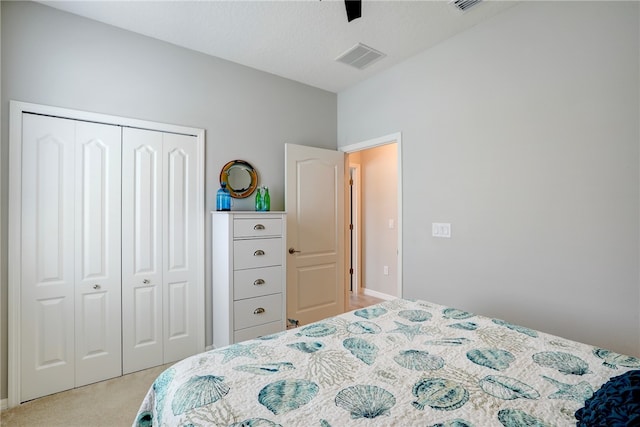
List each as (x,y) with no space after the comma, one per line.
(70,240)
(159,248)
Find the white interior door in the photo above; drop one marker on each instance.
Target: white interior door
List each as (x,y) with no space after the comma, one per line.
(159,248)
(180,247)
(314,200)
(47,267)
(142,164)
(70,288)
(97,253)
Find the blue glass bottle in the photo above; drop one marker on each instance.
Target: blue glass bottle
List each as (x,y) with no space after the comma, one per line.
(223,198)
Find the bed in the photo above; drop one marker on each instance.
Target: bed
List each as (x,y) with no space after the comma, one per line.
(401,362)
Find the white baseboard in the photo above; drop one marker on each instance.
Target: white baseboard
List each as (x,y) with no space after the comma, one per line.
(4,404)
(377,294)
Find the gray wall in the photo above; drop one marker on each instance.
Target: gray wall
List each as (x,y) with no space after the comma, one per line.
(55,58)
(523,132)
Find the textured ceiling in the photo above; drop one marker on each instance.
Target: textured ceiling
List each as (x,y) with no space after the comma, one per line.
(298,40)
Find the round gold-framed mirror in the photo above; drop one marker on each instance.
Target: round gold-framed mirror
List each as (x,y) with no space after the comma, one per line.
(240,178)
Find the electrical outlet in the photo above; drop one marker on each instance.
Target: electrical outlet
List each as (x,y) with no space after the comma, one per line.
(441,229)
(385,270)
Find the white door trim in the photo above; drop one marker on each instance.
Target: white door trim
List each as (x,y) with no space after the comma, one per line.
(16,109)
(376,142)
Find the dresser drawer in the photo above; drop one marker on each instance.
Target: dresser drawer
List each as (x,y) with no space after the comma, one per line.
(257,253)
(256,282)
(257,227)
(256,311)
(257,331)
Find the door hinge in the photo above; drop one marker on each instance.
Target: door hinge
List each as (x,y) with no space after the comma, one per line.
(351,182)
(350,226)
(351,271)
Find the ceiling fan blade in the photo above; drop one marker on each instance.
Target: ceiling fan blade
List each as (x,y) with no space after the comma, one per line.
(354,9)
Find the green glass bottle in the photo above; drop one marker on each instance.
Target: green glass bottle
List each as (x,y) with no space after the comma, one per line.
(259,201)
(266,199)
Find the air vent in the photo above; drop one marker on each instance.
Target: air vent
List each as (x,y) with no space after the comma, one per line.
(360,56)
(464,5)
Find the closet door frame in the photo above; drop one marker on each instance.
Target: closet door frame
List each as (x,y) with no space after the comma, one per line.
(16,110)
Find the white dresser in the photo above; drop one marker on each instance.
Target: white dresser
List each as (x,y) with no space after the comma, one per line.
(248,274)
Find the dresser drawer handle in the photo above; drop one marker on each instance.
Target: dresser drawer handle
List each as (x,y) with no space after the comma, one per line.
(258,227)
(258,282)
(259,310)
(259,252)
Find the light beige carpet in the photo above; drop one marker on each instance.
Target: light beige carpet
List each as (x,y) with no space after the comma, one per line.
(110,403)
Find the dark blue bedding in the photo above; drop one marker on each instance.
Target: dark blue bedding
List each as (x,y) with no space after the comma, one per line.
(615,404)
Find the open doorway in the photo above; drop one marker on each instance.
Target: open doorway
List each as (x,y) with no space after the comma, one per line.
(373,243)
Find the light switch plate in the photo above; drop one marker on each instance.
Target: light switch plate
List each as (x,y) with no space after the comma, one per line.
(441,229)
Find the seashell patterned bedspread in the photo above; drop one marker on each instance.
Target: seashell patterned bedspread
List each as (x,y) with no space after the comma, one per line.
(398,363)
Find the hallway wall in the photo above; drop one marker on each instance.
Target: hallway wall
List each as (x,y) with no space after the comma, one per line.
(379,219)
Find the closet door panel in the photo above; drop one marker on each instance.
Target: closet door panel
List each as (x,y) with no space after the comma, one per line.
(47,270)
(145,312)
(178,321)
(180,247)
(142,198)
(98,253)
(177,206)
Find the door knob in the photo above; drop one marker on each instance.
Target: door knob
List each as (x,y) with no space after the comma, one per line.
(96,286)
(292,251)
(146,281)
